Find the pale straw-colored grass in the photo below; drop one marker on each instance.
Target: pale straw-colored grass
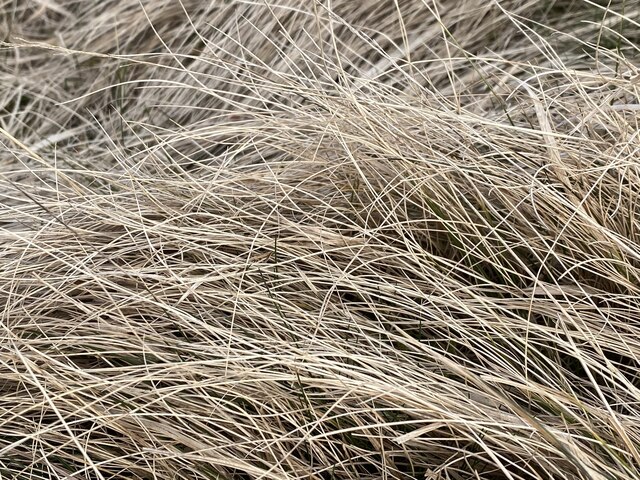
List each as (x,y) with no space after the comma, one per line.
(290,239)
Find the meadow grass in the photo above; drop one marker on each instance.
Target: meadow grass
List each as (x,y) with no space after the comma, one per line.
(319,239)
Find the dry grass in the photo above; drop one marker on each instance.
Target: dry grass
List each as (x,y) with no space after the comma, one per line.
(281,239)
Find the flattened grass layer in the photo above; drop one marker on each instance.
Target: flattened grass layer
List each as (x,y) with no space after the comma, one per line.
(319,239)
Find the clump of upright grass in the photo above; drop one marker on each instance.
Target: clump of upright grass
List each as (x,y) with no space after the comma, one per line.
(330,240)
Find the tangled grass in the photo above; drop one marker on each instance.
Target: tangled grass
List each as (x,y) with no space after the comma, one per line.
(324,239)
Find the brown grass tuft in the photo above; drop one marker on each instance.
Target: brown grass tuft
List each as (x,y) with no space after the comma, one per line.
(328,239)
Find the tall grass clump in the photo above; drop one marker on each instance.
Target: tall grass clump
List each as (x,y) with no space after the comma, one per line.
(320,239)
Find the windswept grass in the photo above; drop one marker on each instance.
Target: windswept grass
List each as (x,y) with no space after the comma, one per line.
(337,239)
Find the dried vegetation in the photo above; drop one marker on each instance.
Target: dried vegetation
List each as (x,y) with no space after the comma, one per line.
(290,239)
